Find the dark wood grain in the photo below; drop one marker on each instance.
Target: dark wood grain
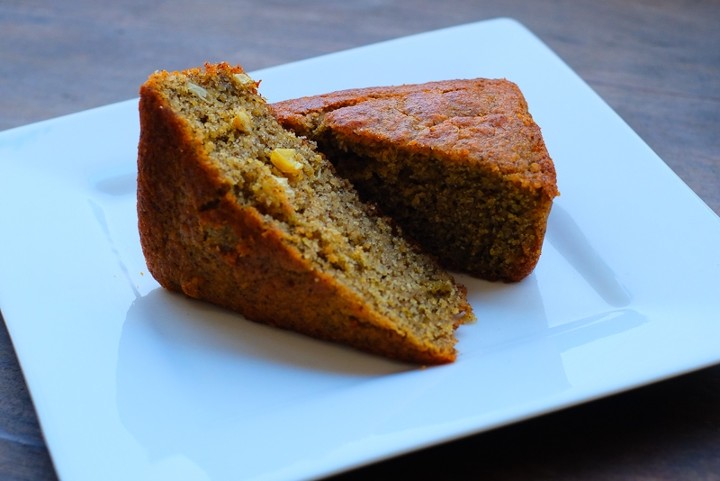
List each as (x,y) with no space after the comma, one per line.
(656,62)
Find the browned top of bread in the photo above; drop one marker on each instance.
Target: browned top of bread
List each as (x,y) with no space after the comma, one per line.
(459,164)
(235,210)
(480,122)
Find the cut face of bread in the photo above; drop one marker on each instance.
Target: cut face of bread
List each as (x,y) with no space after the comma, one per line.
(459,164)
(235,210)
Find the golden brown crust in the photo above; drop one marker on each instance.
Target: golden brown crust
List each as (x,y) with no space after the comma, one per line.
(460,164)
(198,239)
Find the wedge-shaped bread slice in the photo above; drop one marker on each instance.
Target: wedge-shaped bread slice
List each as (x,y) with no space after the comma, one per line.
(460,165)
(235,210)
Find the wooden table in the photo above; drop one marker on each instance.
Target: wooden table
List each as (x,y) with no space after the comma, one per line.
(657,63)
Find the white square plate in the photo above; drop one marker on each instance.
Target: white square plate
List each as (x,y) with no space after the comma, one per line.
(132,382)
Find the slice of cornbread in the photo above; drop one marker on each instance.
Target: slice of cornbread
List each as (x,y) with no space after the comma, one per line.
(459,164)
(235,210)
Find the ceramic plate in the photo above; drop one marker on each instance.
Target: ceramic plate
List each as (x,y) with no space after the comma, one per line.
(133,382)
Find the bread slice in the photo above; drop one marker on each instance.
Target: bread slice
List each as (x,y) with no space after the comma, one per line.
(235,210)
(459,164)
